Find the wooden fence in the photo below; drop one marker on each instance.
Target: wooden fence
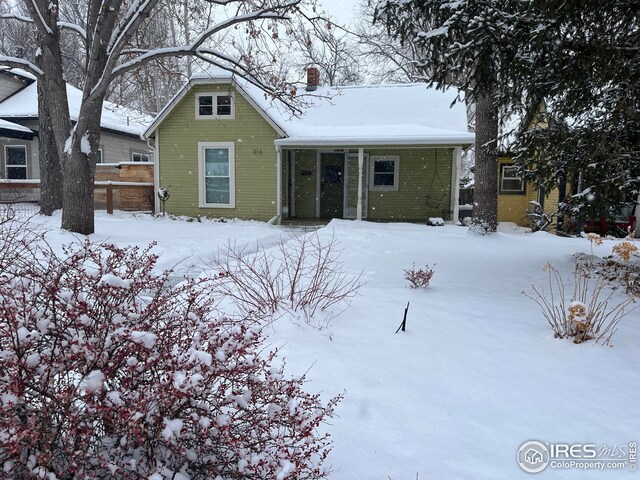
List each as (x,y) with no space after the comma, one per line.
(121,186)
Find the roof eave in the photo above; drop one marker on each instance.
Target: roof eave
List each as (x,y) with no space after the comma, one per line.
(463,141)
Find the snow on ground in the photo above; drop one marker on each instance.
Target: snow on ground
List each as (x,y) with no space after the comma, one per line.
(476,374)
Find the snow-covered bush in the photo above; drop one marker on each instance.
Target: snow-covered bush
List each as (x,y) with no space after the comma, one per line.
(435,221)
(419,278)
(590,313)
(107,372)
(301,275)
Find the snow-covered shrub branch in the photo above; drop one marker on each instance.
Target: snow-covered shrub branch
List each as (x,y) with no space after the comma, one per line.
(589,313)
(106,371)
(301,275)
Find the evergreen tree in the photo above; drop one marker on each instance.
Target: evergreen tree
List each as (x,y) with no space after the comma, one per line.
(467,44)
(584,59)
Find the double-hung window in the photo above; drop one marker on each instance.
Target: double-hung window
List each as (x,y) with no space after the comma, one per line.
(215,105)
(384,173)
(15,162)
(140,157)
(217,174)
(510,182)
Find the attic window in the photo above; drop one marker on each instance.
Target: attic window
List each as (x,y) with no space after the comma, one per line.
(510,182)
(215,105)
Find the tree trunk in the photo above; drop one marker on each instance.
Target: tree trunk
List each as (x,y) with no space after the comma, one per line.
(485,195)
(79,169)
(54,124)
(50,167)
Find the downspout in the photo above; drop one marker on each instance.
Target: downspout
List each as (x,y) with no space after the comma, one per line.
(278,217)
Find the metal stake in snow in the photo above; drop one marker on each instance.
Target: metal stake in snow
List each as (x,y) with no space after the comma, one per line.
(403,325)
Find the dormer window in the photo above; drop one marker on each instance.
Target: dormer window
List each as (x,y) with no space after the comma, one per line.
(215,105)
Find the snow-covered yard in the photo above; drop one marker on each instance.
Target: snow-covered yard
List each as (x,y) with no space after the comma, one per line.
(476,374)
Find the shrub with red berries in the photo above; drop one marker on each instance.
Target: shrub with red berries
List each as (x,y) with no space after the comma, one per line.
(109,372)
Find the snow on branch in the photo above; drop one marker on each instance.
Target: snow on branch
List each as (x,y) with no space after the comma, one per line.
(15,16)
(73,27)
(15,62)
(62,25)
(38,18)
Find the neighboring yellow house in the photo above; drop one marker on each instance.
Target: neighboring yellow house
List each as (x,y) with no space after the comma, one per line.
(515,195)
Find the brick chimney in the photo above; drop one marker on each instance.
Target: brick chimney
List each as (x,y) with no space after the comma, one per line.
(313,78)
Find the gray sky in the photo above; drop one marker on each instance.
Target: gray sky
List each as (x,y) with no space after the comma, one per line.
(341,10)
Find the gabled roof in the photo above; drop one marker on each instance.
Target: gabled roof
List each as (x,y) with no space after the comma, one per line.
(24,104)
(404,114)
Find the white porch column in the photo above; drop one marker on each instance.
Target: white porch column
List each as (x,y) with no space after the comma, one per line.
(360,167)
(279,184)
(456,164)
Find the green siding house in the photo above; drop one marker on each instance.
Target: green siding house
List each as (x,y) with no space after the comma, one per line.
(384,153)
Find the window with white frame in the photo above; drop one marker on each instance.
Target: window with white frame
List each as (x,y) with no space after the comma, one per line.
(384,173)
(215,105)
(15,162)
(140,157)
(510,182)
(99,158)
(217,174)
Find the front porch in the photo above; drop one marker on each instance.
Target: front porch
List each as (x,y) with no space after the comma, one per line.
(380,183)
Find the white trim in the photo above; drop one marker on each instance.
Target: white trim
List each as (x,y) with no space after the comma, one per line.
(201,178)
(365,184)
(149,155)
(279,184)
(503,166)
(462,139)
(156,172)
(456,164)
(7,166)
(396,169)
(318,181)
(260,110)
(293,183)
(214,105)
(101,162)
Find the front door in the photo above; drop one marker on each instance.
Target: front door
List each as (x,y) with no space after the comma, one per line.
(351,186)
(331,185)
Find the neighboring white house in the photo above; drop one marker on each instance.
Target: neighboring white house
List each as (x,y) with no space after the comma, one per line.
(120,137)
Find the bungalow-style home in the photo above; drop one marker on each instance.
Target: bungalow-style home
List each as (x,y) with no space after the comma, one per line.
(120,137)
(377,152)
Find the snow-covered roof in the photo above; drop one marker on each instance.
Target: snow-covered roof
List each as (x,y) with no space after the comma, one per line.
(24,104)
(372,114)
(17,71)
(14,126)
